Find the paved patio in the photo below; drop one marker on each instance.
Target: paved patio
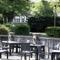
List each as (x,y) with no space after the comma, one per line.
(17,56)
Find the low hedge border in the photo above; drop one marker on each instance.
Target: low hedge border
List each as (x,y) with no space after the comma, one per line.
(53,31)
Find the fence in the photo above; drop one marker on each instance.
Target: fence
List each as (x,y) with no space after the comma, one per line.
(50,42)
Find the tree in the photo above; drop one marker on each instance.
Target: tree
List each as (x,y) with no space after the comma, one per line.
(9,8)
(41,8)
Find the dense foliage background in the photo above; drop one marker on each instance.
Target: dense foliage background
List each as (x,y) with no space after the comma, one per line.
(39,24)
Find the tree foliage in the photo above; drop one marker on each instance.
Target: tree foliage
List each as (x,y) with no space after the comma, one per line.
(42,8)
(18,6)
(10,8)
(52,5)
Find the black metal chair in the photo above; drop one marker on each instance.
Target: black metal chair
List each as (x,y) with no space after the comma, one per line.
(25,50)
(42,54)
(2,46)
(3,50)
(50,48)
(57,47)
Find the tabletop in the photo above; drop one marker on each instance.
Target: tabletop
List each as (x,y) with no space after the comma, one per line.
(55,51)
(10,42)
(36,45)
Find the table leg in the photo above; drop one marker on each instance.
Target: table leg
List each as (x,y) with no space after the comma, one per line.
(7,54)
(36,53)
(10,49)
(43,48)
(0,55)
(52,56)
(16,48)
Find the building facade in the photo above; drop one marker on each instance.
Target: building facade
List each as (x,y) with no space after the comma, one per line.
(19,19)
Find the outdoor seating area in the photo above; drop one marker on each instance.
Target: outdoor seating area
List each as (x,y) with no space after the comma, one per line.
(30,30)
(30,51)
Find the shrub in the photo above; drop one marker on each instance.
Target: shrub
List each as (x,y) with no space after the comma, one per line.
(10,26)
(4,30)
(53,31)
(7,24)
(19,29)
(22,29)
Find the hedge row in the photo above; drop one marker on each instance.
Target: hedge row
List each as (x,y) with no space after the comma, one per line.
(19,29)
(22,29)
(53,31)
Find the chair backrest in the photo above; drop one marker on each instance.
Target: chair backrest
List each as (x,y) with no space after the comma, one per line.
(25,46)
(40,49)
(41,42)
(0,44)
(21,40)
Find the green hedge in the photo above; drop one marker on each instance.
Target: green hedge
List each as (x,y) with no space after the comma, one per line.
(19,29)
(4,30)
(22,29)
(53,31)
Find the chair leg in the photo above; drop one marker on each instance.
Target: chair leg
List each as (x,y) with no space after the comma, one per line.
(7,55)
(0,55)
(29,56)
(25,56)
(31,53)
(18,50)
(39,57)
(13,50)
(21,56)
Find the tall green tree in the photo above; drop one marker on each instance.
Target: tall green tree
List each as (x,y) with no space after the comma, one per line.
(56,6)
(9,8)
(41,8)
